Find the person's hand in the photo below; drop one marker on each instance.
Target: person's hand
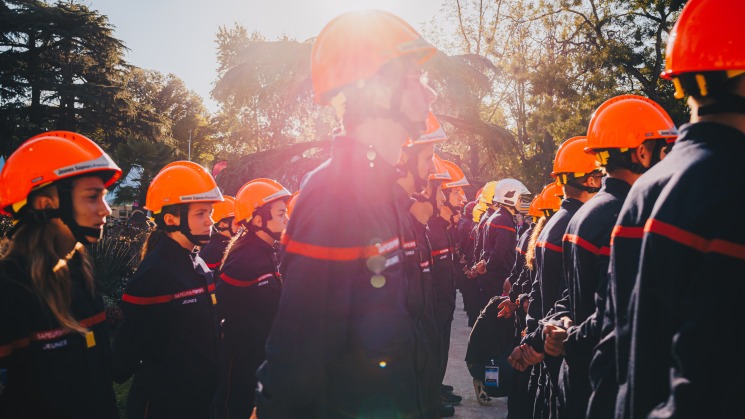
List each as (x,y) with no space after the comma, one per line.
(516,359)
(555,337)
(530,355)
(567,322)
(471,273)
(481,267)
(506,307)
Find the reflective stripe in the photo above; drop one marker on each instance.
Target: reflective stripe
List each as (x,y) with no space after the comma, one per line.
(410,244)
(339,254)
(579,241)
(213,265)
(238,283)
(6,350)
(503,227)
(521,251)
(547,245)
(695,241)
(145,301)
(440,252)
(626,233)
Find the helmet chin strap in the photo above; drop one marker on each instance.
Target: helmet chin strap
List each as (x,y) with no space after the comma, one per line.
(588,189)
(65,213)
(183,227)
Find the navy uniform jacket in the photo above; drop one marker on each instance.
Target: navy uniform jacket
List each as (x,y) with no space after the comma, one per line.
(213,252)
(520,274)
(499,248)
(676,329)
(443,273)
(478,235)
(169,336)
(548,285)
(343,343)
(46,371)
(248,287)
(586,251)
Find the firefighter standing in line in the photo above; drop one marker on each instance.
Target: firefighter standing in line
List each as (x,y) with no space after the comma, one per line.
(423,175)
(54,340)
(169,337)
(500,237)
(578,173)
(249,288)
(440,228)
(484,209)
(223,214)
(622,133)
(343,343)
(666,244)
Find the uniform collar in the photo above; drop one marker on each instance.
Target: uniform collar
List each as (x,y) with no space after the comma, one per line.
(571,204)
(615,186)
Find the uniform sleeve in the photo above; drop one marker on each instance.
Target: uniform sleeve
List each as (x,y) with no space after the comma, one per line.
(533,336)
(311,325)
(15,331)
(516,275)
(143,314)
(585,336)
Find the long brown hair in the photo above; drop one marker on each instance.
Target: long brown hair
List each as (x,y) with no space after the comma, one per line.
(32,249)
(156,234)
(530,254)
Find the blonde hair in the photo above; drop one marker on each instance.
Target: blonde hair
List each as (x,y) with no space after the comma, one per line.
(530,254)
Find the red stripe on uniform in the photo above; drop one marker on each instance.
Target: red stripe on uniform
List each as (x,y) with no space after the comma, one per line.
(6,350)
(238,283)
(550,246)
(146,301)
(579,241)
(626,233)
(213,265)
(521,251)
(694,241)
(440,252)
(503,227)
(340,254)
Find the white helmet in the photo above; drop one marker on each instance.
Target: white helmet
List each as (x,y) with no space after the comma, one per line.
(511,192)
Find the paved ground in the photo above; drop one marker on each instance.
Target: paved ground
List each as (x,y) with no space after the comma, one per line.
(457,374)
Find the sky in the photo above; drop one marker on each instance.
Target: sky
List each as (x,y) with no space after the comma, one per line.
(178,36)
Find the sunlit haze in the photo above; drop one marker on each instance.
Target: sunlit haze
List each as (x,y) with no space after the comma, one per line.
(179,36)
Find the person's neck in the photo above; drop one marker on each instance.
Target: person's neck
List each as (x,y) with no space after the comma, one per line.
(422,211)
(384,135)
(181,239)
(625,175)
(407,183)
(732,120)
(265,237)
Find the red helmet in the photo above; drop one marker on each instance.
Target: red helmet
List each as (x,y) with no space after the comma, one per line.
(441,170)
(255,194)
(47,158)
(181,182)
(571,159)
(459,178)
(707,37)
(433,133)
(223,209)
(355,45)
(627,121)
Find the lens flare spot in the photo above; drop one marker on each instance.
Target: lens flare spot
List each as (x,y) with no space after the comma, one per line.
(383,364)
(376,264)
(377,281)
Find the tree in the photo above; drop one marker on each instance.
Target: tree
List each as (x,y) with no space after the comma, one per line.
(60,68)
(140,160)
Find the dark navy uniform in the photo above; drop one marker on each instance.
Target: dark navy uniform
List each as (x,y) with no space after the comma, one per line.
(46,371)
(548,287)
(500,236)
(169,336)
(586,250)
(675,330)
(520,274)
(443,275)
(343,343)
(213,252)
(248,288)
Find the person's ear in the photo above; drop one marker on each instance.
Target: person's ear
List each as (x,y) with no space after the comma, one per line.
(41,202)
(171,220)
(256,221)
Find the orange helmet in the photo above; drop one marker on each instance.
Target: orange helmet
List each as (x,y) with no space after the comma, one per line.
(441,170)
(181,182)
(291,203)
(705,39)
(433,134)
(459,178)
(534,210)
(255,194)
(355,45)
(571,159)
(47,158)
(550,198)
(627,121)
(224,209)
